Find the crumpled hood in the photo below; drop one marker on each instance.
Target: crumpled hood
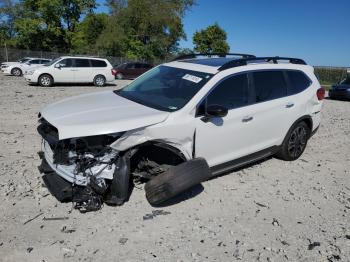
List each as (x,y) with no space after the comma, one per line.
(99,113)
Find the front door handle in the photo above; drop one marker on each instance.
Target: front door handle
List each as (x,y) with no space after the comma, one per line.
(247,119)
(289,105)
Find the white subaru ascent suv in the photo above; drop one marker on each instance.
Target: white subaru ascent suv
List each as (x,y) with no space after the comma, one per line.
(177,125)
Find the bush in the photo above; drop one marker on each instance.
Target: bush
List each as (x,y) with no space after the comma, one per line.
(330,75)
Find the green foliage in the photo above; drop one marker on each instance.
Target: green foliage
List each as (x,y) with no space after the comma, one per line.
(87,32)
(211,40)
(136,29)
(329,76)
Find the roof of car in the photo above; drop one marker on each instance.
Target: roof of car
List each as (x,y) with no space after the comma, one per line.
(86,57)
(222,62)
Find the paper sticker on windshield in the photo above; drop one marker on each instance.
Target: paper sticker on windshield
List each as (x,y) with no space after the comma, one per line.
(194,79)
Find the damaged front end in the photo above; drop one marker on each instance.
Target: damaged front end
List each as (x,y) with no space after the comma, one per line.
(85,170)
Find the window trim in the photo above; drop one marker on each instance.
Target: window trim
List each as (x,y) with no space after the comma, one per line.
(250,93)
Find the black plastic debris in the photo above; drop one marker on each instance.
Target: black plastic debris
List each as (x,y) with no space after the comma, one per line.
(313,245)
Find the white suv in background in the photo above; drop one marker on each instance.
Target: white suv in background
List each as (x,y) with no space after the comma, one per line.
(68,69)
(19,68)
(180,123)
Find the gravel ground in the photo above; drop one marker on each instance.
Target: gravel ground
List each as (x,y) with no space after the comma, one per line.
(272,211)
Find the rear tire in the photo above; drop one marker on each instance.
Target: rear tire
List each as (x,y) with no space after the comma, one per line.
(176,180)
(45,80)
(99,81)
(295,142)
(16,71)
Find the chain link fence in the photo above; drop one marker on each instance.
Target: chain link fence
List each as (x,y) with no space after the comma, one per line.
(327,75)
(12,54)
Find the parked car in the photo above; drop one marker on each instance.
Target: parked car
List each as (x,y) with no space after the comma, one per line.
(17,69)
(340,90)
(130,70)
(22,60)
(69,69)
(177,125)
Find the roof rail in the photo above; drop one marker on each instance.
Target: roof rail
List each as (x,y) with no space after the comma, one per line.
(190,56)
(274,59)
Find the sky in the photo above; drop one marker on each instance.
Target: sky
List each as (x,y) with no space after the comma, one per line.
(317,31)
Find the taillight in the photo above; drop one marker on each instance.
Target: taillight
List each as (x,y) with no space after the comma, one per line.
(321,93)
(114,72)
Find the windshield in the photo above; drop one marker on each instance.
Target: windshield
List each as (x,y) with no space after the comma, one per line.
(52,62)
(345,81)
(165,88)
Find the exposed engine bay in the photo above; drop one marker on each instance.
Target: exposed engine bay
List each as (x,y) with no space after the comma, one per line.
(87,163)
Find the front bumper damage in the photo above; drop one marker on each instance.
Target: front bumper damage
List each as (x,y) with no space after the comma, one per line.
(88,175)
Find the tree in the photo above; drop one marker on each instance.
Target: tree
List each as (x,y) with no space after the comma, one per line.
(148,29)
(50,24)
(87,32)
(211,40)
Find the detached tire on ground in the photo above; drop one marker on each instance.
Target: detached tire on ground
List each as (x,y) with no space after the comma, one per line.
(176,180)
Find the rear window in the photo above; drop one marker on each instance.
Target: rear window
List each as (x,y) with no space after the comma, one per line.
(298,82)
(98,63)
(269,85)
(82,63)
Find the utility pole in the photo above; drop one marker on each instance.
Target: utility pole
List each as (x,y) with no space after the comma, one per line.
(6,54)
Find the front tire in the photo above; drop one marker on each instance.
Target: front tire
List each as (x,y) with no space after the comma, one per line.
(45,81)
(295,142)
(99,81)
(16,71)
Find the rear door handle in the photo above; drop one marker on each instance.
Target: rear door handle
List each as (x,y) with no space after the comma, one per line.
(73,70)
(247,119)
(289,105)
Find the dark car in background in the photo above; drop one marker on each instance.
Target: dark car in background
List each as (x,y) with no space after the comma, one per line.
(341,90)
(130,70)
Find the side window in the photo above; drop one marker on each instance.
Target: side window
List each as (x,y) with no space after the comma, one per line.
(269,85)
(66,63)
(130,66)
(138,66)
(44,61)
(82,63)
(231,92)
(298,82)
(98,63)
(35,62)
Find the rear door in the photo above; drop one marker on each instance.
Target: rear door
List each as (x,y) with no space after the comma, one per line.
(272,110)
(83,70)
(65,72)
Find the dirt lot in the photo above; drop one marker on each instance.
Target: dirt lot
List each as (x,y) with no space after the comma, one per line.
(272,211)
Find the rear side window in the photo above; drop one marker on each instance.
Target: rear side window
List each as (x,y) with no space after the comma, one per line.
(269,85)
(231,92)
(98,63)
(82,63)
(44,61)
(138,66)
(298,82)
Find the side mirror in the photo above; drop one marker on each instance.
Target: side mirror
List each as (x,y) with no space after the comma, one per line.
(216,111)
(58,66)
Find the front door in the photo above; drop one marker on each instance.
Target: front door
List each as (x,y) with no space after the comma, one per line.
(63,71)
(220,140)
